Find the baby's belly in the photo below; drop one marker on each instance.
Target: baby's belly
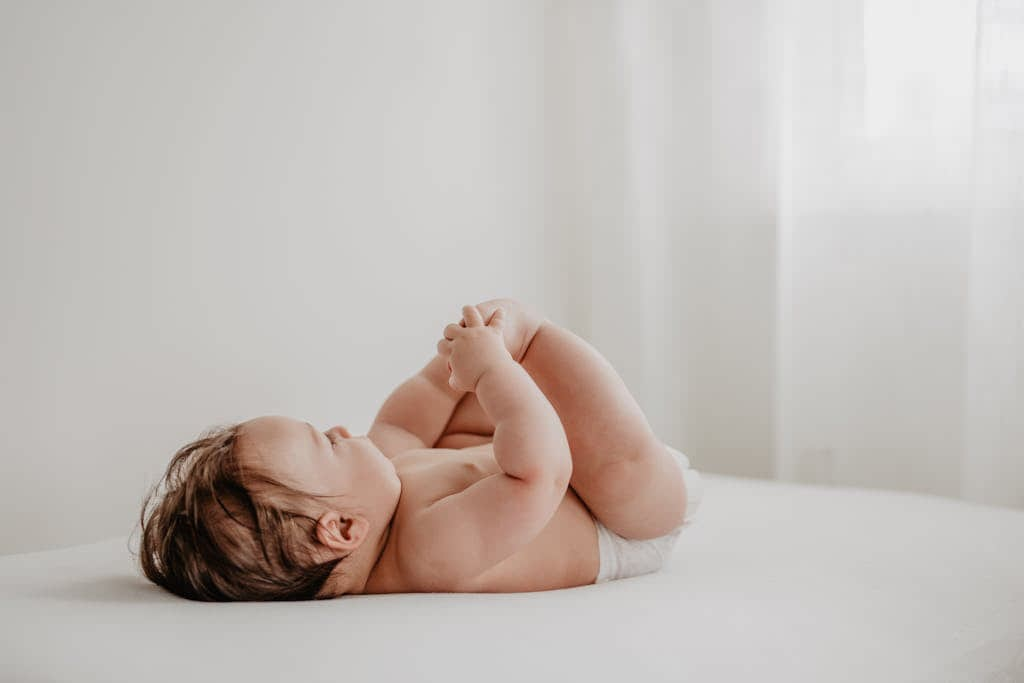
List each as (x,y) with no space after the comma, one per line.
(563,555)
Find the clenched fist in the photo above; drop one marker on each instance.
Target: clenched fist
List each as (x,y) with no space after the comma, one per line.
(475,348)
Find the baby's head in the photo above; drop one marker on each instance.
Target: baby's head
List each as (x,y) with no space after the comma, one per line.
(269,509)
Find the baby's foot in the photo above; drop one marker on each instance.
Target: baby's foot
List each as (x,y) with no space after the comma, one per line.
(521,324)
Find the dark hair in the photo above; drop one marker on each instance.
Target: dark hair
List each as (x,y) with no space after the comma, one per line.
(206,536)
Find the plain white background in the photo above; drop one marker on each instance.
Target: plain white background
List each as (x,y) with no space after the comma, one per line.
(798,242)
(216,211)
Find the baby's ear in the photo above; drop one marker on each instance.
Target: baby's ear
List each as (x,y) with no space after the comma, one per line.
(341,533)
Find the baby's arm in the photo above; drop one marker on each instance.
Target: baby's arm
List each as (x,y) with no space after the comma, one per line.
(529,440)
(425,407)
(466,533)
(415,414)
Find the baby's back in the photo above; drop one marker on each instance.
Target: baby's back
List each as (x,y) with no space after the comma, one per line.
(563,554)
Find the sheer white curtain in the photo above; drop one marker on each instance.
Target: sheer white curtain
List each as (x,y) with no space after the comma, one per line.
(797,228)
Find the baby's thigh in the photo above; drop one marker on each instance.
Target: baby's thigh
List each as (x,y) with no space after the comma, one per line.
(640,498)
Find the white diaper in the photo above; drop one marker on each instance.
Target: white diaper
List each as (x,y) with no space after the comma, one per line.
(622,558)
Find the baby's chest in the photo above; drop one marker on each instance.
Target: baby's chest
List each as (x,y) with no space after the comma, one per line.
(431,474)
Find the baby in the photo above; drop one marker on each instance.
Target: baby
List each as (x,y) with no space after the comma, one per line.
(515,460)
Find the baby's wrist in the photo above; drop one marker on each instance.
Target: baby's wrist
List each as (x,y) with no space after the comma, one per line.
(495,368)
(506,389)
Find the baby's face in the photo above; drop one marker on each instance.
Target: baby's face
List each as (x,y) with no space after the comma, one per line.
(332,463)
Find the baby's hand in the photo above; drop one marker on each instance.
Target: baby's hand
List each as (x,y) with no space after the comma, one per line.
(475,348)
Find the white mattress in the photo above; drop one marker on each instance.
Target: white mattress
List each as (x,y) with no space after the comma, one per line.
(774,581)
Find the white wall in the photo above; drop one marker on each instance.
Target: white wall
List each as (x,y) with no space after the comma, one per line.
(213,211)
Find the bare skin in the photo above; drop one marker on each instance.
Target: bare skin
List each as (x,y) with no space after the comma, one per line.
(620,472)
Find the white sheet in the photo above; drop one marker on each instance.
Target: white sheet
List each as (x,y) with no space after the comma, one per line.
(773,582)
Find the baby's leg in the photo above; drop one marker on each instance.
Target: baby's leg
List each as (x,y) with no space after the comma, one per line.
(621,470)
